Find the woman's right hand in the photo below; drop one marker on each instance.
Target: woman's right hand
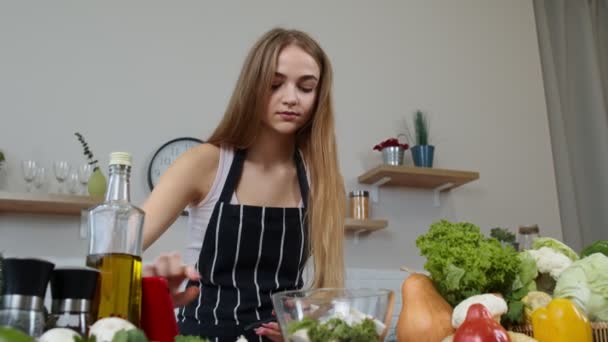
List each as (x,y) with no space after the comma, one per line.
(171,266)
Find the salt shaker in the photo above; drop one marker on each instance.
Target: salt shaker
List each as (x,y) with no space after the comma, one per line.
(23,290)
(73,290)
(526,235)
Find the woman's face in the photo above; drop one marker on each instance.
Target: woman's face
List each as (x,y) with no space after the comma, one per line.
(294,91)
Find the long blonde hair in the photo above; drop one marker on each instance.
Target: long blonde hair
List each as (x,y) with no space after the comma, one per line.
(241,123)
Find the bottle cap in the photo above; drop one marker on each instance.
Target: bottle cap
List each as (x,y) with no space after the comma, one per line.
(528,229)
(25,276)
(120,158)
(358,193)
(74,283)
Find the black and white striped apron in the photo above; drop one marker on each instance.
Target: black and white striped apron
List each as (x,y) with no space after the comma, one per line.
(248,253)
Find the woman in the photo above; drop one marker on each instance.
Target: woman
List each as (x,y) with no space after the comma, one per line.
(265,193)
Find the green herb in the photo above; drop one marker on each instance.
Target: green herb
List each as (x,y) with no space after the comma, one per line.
(2,157)
(421,127)
(502,235)
(600,246)
(85,339)
(131,335)
(515,314)
(305,323)
(87,152)
(463,262)
(336,330)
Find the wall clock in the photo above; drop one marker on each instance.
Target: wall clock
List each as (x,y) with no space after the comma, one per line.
(165,155)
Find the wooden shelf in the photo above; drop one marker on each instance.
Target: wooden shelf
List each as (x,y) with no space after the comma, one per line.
(364,225)
(417,177)
(439,180)
(53,204)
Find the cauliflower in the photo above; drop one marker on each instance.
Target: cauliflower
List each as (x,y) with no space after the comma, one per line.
(105,328)
(534,300)
(495,305)
(58,335)
(352,316)
(300,335)
(556,245)
(550,261)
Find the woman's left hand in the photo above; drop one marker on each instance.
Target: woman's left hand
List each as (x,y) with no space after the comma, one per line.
(270,330)
(173,269)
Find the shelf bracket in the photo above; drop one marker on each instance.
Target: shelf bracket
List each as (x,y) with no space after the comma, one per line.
(375,188)
(84,224)
(356,235)
(437,193)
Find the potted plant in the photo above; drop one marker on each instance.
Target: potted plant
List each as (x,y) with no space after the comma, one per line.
(97,182)
(422,152)
(505,236)
(392,151)
(2,170)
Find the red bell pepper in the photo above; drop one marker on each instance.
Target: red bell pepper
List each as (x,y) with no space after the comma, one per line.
(479,326)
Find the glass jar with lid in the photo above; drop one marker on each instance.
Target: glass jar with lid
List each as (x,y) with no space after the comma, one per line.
(359,204)
(526,235)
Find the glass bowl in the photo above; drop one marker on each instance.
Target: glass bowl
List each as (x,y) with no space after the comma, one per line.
(303,313)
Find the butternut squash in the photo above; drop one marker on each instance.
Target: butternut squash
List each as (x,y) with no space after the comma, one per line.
(425,316)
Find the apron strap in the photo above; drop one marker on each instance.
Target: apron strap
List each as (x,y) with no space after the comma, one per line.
(302,179)
(234,174)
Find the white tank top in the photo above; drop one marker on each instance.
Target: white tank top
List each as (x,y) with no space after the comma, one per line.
(199,217)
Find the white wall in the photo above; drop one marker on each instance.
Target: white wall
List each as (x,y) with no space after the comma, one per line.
(130,75)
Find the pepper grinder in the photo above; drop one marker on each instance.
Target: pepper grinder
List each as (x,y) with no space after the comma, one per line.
(73,290)
(23,290)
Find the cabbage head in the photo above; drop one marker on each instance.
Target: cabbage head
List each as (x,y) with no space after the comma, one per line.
(585,282)
(556,245)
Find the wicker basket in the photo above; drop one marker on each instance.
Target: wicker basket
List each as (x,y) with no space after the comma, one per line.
(600,331)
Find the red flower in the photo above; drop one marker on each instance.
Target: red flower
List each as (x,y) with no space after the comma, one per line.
(390,142)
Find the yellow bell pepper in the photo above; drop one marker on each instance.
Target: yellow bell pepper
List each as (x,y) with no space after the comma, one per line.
(561,321)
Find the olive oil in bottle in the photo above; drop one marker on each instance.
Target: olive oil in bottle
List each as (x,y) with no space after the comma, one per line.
(119,287)
(115,244)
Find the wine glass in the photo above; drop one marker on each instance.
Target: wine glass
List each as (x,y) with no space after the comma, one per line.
(72,182)
(28,168)
(61,169)
(40,178)
(84,173)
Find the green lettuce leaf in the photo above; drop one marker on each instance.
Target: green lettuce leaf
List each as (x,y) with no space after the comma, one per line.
(600,246)
(463,262)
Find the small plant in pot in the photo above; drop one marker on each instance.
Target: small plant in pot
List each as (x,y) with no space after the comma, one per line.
(422,152)
(96,186)
(392,151)
(2,170)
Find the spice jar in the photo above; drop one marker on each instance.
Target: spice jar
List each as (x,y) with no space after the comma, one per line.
(526,235)
(359,204)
